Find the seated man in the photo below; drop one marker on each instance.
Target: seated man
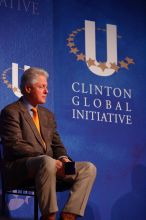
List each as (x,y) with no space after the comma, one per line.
(33,149)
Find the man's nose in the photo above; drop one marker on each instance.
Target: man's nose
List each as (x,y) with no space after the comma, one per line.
(46,90)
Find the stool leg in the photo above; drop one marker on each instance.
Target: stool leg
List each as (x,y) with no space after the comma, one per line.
(3,202)
(35,207)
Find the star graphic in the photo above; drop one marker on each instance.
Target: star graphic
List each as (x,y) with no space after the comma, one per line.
(5,81)
(70,39)
(79,29)
(75,32)
(123,64)
(102,66)
(9,86)
(129,60)
(81,56)
(114,67)
(70,44)
(15,89)
(74,50)
(90,62)
(72,35)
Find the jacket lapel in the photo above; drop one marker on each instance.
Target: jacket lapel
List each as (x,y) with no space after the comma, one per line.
(43,129)
(29,120)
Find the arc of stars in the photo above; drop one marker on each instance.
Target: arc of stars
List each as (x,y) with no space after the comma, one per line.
(70,44)
(9,86)
(103,66)
(90,62)
(72,35)
(70,39)
(81,56)
(5,81)
(114,67)
(123,64)
(129,60)
(15,89)
(74,50)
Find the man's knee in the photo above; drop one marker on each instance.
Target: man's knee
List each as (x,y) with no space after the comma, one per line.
(90,168)
(47,164)
(86,168)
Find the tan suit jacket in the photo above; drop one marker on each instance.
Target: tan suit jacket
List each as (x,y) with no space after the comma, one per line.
(21,139)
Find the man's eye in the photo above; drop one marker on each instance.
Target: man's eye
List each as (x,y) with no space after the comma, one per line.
(42,87)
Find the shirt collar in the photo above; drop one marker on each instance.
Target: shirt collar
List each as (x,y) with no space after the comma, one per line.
(28,105)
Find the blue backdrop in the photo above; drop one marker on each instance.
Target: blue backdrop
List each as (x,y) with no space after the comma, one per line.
(117,147)
(26,31)
(96,89)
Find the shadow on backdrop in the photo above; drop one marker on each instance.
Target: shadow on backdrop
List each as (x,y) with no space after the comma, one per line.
(92,212)
(132,206)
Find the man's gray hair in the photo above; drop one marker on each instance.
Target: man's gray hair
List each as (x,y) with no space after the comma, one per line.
(30,76)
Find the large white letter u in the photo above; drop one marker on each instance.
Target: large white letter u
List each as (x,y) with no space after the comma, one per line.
(90,49)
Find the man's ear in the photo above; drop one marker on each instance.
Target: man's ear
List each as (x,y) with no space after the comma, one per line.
(27,89)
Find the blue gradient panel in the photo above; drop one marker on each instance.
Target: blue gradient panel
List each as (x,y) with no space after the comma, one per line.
(115,145)
(25,39)
(108,123)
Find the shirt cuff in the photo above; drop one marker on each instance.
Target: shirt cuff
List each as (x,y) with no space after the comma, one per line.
(61,157)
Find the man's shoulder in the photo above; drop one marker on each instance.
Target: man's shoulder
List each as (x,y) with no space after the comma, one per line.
(45,110)
(12,105)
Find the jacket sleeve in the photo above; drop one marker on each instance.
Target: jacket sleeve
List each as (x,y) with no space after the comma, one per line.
(15,146)
(57,145)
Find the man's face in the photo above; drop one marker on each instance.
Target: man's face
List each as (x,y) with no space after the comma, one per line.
(38,91)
